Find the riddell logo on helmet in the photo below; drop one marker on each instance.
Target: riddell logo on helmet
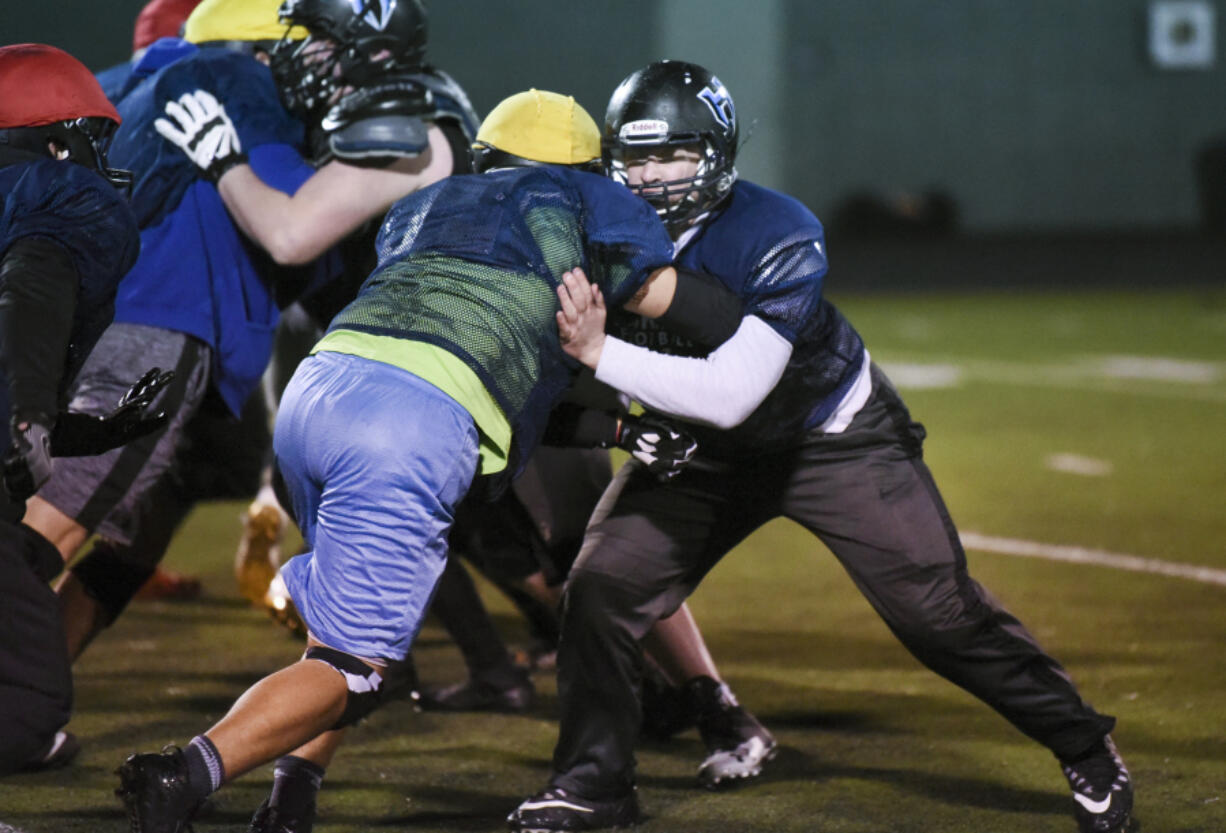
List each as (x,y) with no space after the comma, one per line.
(375,13)
(644,131)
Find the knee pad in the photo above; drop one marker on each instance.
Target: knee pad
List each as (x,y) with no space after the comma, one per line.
(364,684)
(111,576)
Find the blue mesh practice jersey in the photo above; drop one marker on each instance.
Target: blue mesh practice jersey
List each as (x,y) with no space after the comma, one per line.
(83,213)
(472,264)
(770,250)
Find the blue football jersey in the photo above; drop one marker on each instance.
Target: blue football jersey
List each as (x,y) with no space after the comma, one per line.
(197,274)
(770,249)
(85,215)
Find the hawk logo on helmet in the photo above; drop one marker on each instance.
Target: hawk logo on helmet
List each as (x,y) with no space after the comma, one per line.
(375,13)
(716,97)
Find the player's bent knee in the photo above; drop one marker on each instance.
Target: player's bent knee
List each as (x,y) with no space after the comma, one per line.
(61,530)
(363,684)
(597,601)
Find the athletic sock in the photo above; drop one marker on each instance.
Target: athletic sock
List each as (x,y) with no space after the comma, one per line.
(204,770)
(295,784)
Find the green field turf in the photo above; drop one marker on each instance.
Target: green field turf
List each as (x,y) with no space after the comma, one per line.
(1127,389)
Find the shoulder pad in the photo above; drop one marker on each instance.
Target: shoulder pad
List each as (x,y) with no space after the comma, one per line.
(379,137)
(450,101)
(379,121)
(398,95)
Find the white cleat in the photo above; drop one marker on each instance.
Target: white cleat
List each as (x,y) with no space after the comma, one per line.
(724,767)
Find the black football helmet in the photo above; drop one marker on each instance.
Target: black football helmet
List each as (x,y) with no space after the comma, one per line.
(669,104)
(351,43)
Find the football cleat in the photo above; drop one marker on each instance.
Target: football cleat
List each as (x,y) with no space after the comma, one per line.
(554,809)
(259,551)
(281,607)
(480,696)
(155,794)
(1102,789)
(539,656)
(738,745)
(168,586)
(268,819)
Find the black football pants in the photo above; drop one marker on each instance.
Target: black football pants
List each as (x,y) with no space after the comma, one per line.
(868,496)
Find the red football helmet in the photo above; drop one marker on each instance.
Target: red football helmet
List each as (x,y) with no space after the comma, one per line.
(160,19)
(48,97)
(40,84)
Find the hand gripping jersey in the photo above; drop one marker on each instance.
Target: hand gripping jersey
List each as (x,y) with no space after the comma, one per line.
(84,214)
(472,264)
(771,251)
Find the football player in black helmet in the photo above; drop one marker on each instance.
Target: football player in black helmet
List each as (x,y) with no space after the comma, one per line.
(793,419)
(352,44)
(673,111)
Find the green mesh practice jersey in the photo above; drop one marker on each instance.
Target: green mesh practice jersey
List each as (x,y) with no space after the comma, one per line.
(472,263)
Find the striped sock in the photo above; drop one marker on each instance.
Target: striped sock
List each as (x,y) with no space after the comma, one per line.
(204,765)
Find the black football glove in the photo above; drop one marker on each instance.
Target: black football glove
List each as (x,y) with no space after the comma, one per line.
(662,447)
(28,464)
(81,435)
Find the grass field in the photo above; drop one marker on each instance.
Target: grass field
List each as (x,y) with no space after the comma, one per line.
(1095,421)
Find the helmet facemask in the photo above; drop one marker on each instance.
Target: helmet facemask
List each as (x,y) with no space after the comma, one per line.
(678,201)
(83,140)
(342,53)
(308,73)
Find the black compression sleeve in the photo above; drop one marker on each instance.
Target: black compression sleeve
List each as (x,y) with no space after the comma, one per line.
(703,309)
(38,297)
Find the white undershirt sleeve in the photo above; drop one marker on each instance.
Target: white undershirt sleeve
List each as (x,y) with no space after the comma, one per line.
(720,390)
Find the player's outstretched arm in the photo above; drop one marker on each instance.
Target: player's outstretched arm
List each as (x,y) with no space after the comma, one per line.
(297,228)
(330,205)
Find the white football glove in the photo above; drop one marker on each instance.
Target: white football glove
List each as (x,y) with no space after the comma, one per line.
(203,131)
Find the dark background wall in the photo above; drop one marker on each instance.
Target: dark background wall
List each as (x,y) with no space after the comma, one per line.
(1043,113)
(1030,114)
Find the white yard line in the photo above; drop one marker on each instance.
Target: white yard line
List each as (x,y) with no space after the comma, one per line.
(1164,378)
(1084,555)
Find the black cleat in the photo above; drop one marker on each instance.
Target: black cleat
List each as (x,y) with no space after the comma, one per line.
(269,819)
(738,745)
(480,696)
(1102,788)
(155,793)
(554,809)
